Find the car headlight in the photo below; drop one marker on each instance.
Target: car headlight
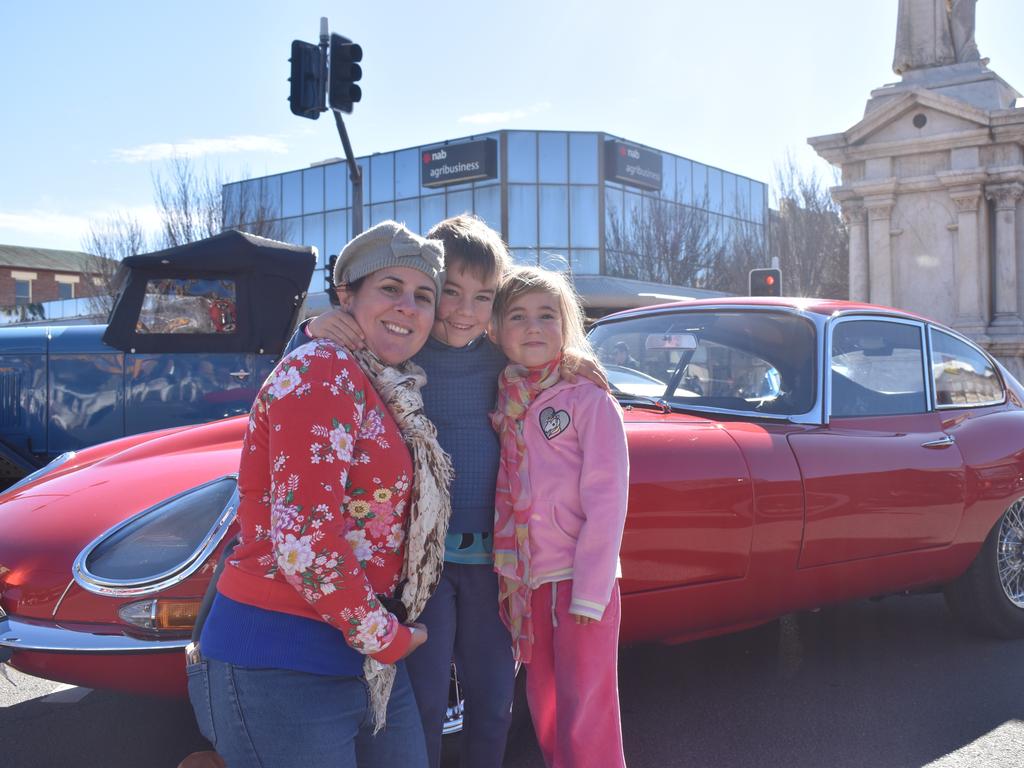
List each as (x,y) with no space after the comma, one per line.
(159,546)
(63,458)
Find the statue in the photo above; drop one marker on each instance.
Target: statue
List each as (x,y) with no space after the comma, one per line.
(934,33)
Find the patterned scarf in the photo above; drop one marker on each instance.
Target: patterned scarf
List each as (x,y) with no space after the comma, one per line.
(518,386)
(399,388)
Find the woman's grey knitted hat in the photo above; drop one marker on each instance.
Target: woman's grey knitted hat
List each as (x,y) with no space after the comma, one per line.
(389,244)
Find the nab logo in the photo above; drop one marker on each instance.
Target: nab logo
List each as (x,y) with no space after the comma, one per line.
(633,154)
(429,156)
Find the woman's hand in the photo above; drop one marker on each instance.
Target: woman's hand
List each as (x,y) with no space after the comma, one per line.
(419,636)
(338,326)
(582,620)
(574,365)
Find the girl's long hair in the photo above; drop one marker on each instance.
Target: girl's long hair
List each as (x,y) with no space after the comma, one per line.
(523,280)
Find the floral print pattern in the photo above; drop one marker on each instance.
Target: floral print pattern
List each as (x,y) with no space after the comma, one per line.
(313,512)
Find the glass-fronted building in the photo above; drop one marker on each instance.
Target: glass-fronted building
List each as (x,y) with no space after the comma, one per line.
(567,200)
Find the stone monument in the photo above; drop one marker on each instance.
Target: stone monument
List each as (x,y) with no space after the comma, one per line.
(933,181)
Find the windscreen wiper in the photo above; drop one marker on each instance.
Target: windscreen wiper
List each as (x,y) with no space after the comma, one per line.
(626,398)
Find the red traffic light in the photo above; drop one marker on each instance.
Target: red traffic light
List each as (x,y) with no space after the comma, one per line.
(765,282)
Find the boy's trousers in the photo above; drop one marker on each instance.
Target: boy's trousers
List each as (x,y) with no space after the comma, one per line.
(463,623)
(572,682)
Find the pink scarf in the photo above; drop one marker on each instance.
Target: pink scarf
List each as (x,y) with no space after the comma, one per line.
(518,386)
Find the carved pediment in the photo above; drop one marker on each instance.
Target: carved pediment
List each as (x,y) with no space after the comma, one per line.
(914,116)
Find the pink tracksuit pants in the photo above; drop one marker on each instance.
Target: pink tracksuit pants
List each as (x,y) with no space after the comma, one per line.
(572,682)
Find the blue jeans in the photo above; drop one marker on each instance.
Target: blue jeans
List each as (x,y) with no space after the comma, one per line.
(277,718)
(462,619)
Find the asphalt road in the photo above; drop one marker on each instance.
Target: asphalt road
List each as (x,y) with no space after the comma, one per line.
(883,685)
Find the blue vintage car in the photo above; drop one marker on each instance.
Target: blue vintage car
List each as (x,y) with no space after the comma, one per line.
(194,331)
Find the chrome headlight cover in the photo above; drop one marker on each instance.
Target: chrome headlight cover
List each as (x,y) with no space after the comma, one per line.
(154,582)
(45,470)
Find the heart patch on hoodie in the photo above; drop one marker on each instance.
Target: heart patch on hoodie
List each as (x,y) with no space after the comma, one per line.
(553,422)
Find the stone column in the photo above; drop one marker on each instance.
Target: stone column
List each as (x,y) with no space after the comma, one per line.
(1007,317)
(971,317)
(856,225)
(880,283)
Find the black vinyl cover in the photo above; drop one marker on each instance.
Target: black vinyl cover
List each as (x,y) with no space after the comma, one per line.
(271,279)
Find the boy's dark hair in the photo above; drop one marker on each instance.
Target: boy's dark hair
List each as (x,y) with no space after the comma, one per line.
(469,244)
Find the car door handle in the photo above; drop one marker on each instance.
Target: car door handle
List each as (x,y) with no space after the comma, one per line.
(942,442)
(240,375)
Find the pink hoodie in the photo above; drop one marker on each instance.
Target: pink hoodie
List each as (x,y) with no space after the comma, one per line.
(579,478)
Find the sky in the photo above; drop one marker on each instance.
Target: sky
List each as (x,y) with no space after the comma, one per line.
(98,96)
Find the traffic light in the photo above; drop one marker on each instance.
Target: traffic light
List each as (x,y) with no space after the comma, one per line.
(343,91)
(307,91)
(766,282)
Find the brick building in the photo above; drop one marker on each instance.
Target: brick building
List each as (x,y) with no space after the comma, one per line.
(32,275)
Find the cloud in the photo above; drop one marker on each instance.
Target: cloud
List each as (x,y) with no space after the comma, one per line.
(52,229)
(199,147)
(497,118)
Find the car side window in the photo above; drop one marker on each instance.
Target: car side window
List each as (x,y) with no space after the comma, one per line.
(963,376)
(877,369)
(178,305)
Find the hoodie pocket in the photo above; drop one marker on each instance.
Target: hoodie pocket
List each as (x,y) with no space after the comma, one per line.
(566,522)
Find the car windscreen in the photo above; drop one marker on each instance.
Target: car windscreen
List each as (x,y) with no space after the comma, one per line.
(756,361)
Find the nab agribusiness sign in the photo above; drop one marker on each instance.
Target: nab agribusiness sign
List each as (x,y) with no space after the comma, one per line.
(455,163)
(630,164)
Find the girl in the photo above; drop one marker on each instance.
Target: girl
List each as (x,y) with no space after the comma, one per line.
(560,511)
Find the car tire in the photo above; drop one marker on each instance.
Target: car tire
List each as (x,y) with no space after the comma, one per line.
(989,597)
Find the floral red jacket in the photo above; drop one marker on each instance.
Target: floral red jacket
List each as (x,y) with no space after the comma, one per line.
(324,486)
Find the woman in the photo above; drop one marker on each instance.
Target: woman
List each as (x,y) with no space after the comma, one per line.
(299,652)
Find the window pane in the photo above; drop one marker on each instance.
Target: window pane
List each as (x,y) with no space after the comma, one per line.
(381,212)
(408,213)
(586,262)
(553,164)
(613,223)
(962,374)
(526,257)
(684,185)
(584,217)
(668,177)
(431,211)
(313,234)
(179,305)
(232,201)
(337,232)
(700,185)
(554,217)
(270,191)
(728,194)
(877,369)
(382,174)
(522,215)
(313,190)
(22,292)
(487,205)
(291,230)
(554,260)
(407,173)
(714,190)
(583,158)
(460,202)
(522,156)
(291,194)
(758,201)
(65,290)
(336,186)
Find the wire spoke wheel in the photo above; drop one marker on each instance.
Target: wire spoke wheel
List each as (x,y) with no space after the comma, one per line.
(1010,554)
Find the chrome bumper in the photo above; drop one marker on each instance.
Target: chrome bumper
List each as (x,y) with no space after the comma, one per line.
(26,635)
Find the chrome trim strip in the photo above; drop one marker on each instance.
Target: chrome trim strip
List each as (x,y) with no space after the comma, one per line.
(814,416)
(22,635)
(137,587)
(63,594)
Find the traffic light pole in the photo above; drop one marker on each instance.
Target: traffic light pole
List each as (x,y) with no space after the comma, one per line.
(355,173)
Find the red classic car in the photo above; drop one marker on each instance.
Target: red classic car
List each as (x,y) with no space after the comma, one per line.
(785,454)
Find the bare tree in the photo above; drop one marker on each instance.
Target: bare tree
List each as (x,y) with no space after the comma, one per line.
(191,206)
(808,236)
(661,241)
(107,242)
